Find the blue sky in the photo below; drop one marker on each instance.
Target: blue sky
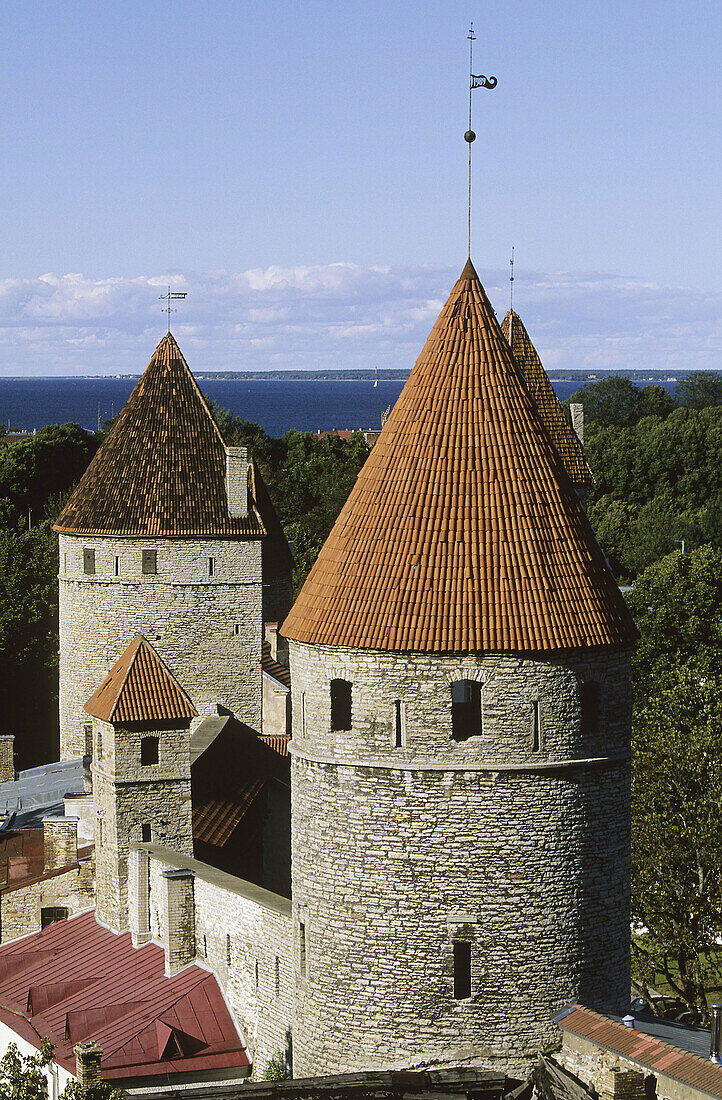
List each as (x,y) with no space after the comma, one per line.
(300,169)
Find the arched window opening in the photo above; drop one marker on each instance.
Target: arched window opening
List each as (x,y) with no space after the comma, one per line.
(340,705)
(589,699)
(149,750)
(465,709)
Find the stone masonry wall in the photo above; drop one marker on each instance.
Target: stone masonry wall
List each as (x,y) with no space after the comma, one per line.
(128,795)
(206,628)
(399,852)
(597,1067)
(20,908)
(243,934)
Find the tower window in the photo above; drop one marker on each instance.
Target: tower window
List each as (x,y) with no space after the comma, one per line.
(340,705)
(150,561)
(211,566)
(148,750)
(236,628)
(303,713)
(117,565)
(465,709)
(302,948)
(277,977)
(88,561)
(256,974)
(535,727)
(589,700)
(462,970)
(399,724)
(145,833)
(228,950)
(51,914)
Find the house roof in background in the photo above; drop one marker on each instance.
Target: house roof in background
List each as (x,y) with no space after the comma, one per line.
(140,688)
(463,532)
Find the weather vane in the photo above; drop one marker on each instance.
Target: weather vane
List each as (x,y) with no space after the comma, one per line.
(474,82)
(511,280)
(171,296)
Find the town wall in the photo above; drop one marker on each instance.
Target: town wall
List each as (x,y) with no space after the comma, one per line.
(399,852)
(243,934)
(206,628)
(21,906)
(596,1067)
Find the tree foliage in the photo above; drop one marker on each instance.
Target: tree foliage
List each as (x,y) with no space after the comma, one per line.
(23,1077)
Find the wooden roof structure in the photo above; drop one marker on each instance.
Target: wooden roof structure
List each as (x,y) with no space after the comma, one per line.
(161,471)
(463,532)
(140,688)
(552,413)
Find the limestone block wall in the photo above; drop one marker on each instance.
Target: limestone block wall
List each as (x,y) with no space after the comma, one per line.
(243,934)
(398,853)
(129,795)
(21,906)
(602,1069)
(204,620)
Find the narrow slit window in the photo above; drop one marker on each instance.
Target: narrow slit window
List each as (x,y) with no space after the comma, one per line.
(65,563)
(148,750)
(535,727)
(89,561)
(399,724)
(116,565)
(150,561)
(277,976)
(465,709)
(145,833)
(236,628)
(228,950)
(303,713)
(302,948)
(340,705)
(462,970)
(211,567)
(256,974)
(589,700)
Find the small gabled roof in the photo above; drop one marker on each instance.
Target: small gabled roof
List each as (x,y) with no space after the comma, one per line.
(162,469)
(140,688)
(564,437)
(463,532)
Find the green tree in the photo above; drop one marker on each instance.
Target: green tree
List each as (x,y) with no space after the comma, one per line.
(611,401)
(699,390)
(22,1076)
(47,463)
(654,401)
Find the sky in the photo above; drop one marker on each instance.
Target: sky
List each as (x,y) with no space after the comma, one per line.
(299,169)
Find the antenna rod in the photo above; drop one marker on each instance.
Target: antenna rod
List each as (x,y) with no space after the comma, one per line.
(511,280)
(470,136)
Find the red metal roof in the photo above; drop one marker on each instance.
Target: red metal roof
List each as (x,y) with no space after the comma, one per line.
(690,1069)
(22,859)
(76,981)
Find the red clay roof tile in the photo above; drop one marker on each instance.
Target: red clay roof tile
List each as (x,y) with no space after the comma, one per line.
(463,532)
(140,688)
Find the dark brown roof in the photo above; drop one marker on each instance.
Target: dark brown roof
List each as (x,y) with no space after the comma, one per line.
(463,532)
(22,859)
(216,818)
(139,688)
(162,468)
(274,668)
(555,420)
(690,1069)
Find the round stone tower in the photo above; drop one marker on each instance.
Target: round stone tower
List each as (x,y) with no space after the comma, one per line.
(460,751)
(169,534)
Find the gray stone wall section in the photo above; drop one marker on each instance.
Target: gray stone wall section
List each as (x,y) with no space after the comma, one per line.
(243,934)
(7,757)
(60,842)
(398,852)
(207,628)
(179,940)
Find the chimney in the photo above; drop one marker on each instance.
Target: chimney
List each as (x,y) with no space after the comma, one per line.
(715,1051)
(87,1064)
(88,738)
(7,757)
(237,481)
(577,412)
(60,841)
(179,919)
(271,632)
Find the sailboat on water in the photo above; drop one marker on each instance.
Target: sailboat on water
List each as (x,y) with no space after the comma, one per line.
(376,377)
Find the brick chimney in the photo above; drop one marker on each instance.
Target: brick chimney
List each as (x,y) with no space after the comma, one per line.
(237,481)
(577,413)
(87,1064)
(60,839)
(7,757)
(179,919)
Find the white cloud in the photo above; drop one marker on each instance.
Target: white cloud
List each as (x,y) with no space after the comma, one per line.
(342,315)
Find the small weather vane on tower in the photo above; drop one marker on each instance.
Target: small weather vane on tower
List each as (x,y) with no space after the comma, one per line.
(171,296)
(474,82)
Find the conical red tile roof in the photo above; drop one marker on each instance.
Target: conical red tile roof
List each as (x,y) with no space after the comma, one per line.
(162,469)
(555,420)
(139,688)
(463,532)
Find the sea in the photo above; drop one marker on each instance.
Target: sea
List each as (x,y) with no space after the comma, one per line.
(277,405)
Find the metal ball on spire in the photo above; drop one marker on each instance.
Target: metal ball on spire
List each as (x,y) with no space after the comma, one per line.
(470,136)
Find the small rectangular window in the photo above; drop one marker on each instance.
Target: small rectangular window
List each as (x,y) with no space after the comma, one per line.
(236,628)
(589,701)
(150,561)
(340,705)
(51,914)
(399,724)
(88,561)
(148,750)
(462,970)
(117,566)
(145,833)
(302,947)
(211,566)
(465,709)
(535,727)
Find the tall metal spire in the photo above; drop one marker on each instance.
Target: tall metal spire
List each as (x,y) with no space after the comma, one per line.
(470,136)
(171,296)
(511,280)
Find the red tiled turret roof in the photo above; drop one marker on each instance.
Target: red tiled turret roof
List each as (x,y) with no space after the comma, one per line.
(162,468)
(563,435)
(139,688)
(463,532)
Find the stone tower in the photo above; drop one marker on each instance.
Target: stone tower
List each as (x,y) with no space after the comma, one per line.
(141,770)
(550,409)
(460,751)
(171,534)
